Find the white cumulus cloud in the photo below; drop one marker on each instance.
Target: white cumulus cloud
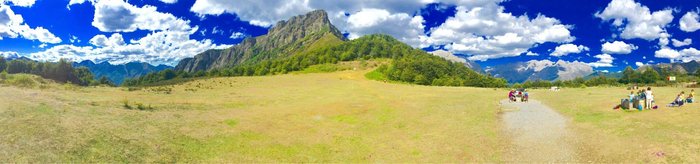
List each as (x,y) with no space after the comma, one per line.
(9,54)
(373,21)
(685,42)
(530,53)
(690,22)
(488,32)
(238,35)
(161,47)
(685,55)
(667,53)
(102,41)
(12,26)
(169,1)
(565,49)
(21,3)
(120,16)
(638,20)
(618,47)
(604,60)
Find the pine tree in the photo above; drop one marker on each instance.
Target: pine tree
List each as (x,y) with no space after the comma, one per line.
(650,76)
(627,75)
(3,64)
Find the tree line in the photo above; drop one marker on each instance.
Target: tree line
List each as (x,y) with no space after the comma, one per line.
(646,76)
(408,65)
(61,71)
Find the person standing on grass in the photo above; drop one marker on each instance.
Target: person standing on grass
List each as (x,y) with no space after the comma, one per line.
(649,98)
(631,100)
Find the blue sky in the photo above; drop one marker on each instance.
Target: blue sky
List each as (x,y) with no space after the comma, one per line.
(608,35)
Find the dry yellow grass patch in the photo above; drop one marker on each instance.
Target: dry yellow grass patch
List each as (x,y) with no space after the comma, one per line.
(329,117)
(662,135)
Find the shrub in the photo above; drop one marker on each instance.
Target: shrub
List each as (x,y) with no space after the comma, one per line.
(3,75)
(140,106)
(22,81)
(126,104)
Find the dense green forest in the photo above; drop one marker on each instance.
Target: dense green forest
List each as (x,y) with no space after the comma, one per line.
(648,76)
(61,71)
(408,65)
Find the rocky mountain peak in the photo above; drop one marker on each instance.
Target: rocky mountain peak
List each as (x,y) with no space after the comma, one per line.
(286,38)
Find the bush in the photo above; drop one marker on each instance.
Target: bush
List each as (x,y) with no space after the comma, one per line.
(3,75)
(22,81)
(126,104)
(140,106)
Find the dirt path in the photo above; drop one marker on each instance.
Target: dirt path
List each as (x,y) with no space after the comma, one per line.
(538,133)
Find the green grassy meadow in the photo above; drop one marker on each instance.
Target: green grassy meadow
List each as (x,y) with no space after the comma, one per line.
(327,113)
(663,135)
(304,117)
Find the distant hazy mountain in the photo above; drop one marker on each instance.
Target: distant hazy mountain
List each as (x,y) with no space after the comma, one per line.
(298,34)
(688,67)
(540,70)
(117,73)
(451,57)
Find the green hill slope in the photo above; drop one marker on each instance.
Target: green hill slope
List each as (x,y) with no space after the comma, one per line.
(319,42)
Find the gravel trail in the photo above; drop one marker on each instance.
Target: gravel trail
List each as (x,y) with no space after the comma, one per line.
(538,133)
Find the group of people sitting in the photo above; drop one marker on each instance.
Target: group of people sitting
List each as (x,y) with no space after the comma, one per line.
(514,94)
(681,99)
(644,99)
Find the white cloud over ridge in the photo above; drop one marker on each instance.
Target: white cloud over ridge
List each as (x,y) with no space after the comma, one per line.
(167,43)
(162,47)
(9,54)
(371,21)
(618,47)
(12,26)
(636,20)
(566,49)
(685,55)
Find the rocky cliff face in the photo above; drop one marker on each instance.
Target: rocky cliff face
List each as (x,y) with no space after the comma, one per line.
(284,39)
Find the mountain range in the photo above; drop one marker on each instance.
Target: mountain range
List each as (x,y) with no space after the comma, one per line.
(454,58)
(519,72)
(117,73)
(685,68)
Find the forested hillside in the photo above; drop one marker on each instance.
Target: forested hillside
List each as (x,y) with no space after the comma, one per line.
(61,71)
(408,64)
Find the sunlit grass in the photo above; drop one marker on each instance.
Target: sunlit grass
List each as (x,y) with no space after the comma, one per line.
(666,134)
(318,117)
